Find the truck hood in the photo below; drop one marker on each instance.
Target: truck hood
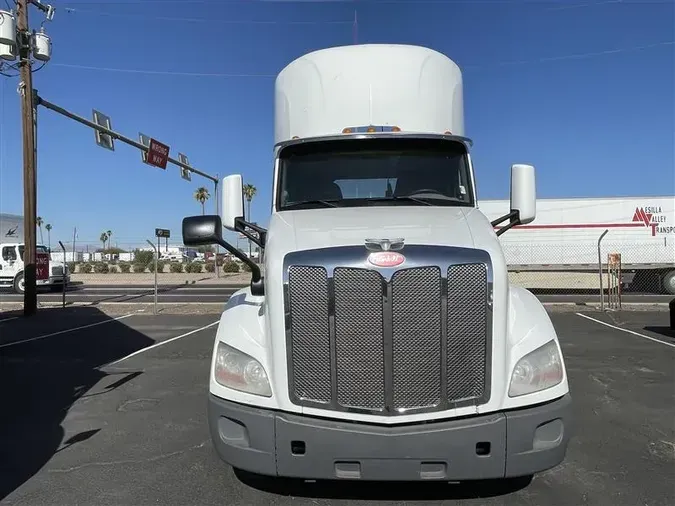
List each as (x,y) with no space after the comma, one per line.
(321,228)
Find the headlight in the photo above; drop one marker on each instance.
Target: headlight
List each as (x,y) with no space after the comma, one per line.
(538,370)
(239,371)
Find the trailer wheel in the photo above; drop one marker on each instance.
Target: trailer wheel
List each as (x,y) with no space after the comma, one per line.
(669,282)
(19,284)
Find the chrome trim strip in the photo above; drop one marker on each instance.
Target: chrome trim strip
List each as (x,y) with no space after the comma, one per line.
(416,256)
(375,135)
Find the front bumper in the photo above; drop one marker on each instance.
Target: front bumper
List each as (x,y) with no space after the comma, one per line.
(497,445)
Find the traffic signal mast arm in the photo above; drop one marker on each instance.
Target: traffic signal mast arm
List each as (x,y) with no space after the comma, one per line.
(41,101)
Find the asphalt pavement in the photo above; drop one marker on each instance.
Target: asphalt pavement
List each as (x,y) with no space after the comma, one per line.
(195,293)
(112,411)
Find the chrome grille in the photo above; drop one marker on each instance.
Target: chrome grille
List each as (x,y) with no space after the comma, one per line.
(57,271)
(310,340)
(417,338)
(389,341)
(467,331)
(359,338)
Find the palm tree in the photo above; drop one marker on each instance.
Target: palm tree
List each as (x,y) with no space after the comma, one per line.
(39,221)
(103,239)
(108,233)
(48,228)
(202,195)
(249,193)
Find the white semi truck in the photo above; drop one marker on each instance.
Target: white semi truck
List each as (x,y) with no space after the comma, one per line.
(385,341)
(50,273)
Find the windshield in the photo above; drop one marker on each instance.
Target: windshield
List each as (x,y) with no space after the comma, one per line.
(347,173)
(39,249)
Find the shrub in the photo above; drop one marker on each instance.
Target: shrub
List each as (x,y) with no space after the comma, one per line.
(160,266)
(85,268)
(101,268)
(138,267)
(114,269)
(176,267)
(245,267)
(125,266)
(230,266)
(143,257)
(210,267)
(71,267)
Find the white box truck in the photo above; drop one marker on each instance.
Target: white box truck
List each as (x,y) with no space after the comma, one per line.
(566,234)
(385,341)
(50,272)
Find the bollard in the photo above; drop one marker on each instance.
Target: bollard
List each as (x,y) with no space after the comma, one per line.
(672,314)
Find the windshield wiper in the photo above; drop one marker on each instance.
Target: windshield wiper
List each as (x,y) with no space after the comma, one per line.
(400,199)
(325,203)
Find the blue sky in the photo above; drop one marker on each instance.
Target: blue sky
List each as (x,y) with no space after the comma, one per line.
(582,89)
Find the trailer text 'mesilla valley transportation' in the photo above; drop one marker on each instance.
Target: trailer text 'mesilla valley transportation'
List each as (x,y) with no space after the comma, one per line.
(385,341)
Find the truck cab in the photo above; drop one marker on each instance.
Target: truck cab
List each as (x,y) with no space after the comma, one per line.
(385,341)
(11,268)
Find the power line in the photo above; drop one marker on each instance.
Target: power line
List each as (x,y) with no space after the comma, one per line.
(572,56)
(71,10)
(159,72)
(466,67)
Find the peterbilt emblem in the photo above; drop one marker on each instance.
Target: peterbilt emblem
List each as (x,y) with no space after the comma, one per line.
(384,252)
(384,244)
(386,258)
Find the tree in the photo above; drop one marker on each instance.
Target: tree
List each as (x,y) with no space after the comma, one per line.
(108,233)
(249,193)
(48,228)
(103,239)
(39,221)
(202,195)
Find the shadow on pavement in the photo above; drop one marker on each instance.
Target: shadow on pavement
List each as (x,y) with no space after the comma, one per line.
(664,331)
(375,491)
(42,378)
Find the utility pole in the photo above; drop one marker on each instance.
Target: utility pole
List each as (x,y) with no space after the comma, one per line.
(29,169)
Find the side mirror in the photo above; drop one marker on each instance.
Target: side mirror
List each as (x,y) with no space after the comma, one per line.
(523,192)
(233,201)
(202,230)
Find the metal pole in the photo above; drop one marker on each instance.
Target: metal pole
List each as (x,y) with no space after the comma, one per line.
(156,255)
(217,213)
(115,135)
(29,170)
(602,296)
(63,303)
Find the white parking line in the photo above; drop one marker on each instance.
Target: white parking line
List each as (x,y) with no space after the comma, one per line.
(626,330)
(65,331)
(142,350)
(9,319)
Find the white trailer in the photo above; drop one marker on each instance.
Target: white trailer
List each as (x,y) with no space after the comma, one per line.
(385,341)
(566,233)
(11,258)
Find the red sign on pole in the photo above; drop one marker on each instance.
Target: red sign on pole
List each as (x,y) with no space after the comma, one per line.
(158,154)
(42,266)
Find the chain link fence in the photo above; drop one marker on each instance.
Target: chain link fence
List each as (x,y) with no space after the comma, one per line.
(133,263)
(580,267)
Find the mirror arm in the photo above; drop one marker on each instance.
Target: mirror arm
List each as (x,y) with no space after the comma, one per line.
(501,219)
(257,285)
(513,216)
(240,225)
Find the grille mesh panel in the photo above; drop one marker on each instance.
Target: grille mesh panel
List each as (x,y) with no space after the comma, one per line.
(417,337)
(310,339)
(467,331)
(359,338)
(419,342)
